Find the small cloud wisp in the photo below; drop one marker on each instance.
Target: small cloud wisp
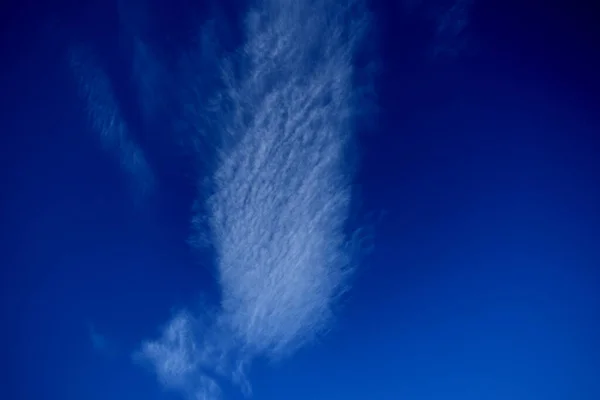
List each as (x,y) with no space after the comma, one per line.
(106,119)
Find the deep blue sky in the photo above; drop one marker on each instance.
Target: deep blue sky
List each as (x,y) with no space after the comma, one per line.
(483,282)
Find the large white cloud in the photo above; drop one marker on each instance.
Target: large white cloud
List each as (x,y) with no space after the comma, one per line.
(279,200)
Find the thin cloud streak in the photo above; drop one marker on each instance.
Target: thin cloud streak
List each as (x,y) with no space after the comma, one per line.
(106,120)
(280,198)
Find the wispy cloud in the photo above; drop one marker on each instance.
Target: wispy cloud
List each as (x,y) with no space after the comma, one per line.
(106,119)
(280,197)
(176,355)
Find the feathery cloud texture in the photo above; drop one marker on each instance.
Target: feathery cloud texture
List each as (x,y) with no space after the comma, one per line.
(279,197)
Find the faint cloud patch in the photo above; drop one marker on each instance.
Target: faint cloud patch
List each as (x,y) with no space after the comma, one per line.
(450,19)
(451,23)
(99,341)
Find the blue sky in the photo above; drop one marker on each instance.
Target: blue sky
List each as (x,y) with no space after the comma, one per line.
(476,187)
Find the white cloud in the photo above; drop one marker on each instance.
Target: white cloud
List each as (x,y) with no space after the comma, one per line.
(175,355)
(280,199)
